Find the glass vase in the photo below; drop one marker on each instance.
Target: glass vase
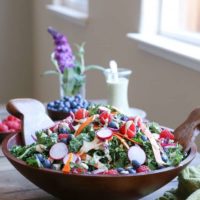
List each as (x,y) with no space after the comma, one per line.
(66,89)
(117,89)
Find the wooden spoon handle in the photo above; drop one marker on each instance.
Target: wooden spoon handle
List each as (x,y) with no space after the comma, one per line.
(33,115)
(188,130)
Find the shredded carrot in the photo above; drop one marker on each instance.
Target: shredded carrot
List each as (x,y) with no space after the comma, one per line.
(121,140)
(66,168)
(114,112)
(83,125)
(96,127)
(82,156)
(124,136)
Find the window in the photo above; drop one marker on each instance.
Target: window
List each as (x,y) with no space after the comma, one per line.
(80,5)
(73,10)
(171,29)
(183,22)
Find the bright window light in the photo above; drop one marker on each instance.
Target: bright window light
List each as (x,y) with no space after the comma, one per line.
(180,19)
(80,5)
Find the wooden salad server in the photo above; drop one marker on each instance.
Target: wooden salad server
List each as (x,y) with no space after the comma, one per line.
(33,115)
(188,130)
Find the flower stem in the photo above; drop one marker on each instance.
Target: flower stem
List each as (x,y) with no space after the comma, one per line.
(89,67)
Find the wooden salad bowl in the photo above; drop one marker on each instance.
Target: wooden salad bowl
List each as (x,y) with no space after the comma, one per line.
(82,186)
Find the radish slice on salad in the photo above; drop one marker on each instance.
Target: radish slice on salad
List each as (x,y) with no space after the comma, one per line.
(58,151)
(71,127)
(104,109)
(99,171)
(104,133)
(137,153)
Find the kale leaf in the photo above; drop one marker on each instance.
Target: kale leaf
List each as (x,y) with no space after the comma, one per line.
(118,153)
(47,140)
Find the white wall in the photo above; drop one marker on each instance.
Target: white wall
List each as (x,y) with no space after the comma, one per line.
(167,91)
(15,49)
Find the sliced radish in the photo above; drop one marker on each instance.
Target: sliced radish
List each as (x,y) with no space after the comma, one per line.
(137,153)
(68,120)
(173,145)
(34,137)
(72,116)
(104,133)
(75,159)
(99,171)
(55,127)
(58,151)
(104,109)
(137,120)
(71,127)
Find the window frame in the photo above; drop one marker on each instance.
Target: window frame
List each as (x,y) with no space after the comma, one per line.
(71,13)
(150,40)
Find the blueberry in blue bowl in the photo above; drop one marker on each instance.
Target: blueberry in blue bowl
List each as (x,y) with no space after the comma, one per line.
(60,109)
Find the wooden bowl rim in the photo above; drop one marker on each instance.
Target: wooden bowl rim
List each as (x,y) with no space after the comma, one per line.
(189,158)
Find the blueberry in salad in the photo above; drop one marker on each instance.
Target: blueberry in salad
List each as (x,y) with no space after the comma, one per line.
(101,140)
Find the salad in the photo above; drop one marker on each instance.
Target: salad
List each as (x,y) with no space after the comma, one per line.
(102,140)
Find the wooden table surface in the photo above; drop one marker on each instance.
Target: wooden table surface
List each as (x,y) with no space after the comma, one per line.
(13,186)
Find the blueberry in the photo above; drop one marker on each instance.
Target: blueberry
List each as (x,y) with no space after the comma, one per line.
(49,107)
(62,104)
(53,109)
(165,149)
(46,163)
(78,96)
(113,124)
(74,110)
(124,118)
(78,107)
(65,109)
(85,104)
(73,104)
(161,167)
(71,99)
(64,140)
(67,104)
(63,130)
(40,157)
(135,164)
(56,106)
(66,98)
(144,138)
(131,171)
(77,100)
(50,104)
(69,138)
(120,169)
(60,108)
(81,104)
(164,157)
(57,102)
